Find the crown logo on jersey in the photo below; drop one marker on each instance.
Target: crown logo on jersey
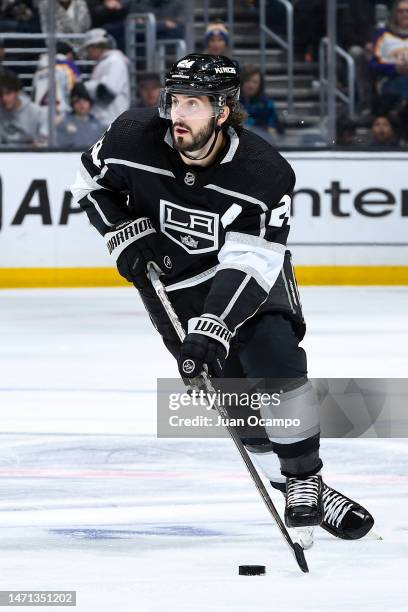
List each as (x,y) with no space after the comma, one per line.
(190,178)
(189,241)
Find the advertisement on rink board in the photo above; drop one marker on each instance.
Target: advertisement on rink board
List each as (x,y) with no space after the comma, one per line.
(349,212)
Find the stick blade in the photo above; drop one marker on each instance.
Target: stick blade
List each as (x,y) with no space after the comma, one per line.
(300,557)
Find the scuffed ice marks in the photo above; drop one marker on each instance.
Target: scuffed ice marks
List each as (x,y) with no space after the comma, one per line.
(147,530)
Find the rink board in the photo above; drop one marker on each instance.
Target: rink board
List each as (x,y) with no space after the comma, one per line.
(349,222)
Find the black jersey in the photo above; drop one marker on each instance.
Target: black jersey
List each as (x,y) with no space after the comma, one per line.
(224,227)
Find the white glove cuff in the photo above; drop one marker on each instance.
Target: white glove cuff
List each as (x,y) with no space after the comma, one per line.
(211,326)
(127,233)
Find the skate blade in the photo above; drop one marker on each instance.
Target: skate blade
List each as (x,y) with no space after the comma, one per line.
(303,535)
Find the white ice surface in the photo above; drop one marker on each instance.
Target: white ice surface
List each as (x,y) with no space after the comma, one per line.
(91,500)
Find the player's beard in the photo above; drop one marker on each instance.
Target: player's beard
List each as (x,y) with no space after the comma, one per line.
(195,142)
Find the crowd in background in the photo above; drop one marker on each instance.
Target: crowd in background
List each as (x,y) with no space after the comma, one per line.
(86,106)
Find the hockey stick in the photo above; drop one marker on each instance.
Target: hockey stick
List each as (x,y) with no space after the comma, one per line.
(295,547)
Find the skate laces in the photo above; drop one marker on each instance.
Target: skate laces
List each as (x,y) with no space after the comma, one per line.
(336,506)
(303,492)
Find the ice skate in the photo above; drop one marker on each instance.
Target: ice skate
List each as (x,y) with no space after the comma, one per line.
(343,517)
(304,501)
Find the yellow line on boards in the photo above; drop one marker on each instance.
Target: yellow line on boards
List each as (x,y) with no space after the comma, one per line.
(11,278)
(352,275)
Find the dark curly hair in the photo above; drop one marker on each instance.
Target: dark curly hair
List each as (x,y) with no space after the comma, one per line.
(237,115)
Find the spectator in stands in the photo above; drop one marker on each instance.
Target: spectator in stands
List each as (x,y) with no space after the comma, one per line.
(384,133)
(3,68)
(21,121)
(262,114)
(107,11)
(355,34)
(309,27)
(18,16)
(69,57)
(108,86)
(72,16)
(110,15)
(390,50)
(401,118)
(217,39)
(345,132)
(2,53)
(169,16)
(275,16)
(66,75)
(80,129)
(149,90)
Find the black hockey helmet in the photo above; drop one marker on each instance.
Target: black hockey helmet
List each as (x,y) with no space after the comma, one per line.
(197,74)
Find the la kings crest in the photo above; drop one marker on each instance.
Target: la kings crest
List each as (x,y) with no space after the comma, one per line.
(196,231)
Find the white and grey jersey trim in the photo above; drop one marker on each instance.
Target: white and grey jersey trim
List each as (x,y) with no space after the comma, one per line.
(193,280)
(235,297)
(246,198)
(83,187)
(145,167)
(238,239)
(255,242)
(291,296)
(234,143)
(168,138)
(249,271)
(99,210)
(252,255)
(85,184)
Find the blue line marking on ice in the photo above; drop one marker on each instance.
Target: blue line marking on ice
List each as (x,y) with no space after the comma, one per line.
(154,530)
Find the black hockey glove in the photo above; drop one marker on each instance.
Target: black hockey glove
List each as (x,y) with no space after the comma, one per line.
(206,344)
(134,244)
(104,95)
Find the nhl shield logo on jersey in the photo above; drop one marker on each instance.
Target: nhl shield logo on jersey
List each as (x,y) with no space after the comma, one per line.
(167,262)
(196,231)
(189,179)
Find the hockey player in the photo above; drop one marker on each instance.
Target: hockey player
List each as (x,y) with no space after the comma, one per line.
(209,204)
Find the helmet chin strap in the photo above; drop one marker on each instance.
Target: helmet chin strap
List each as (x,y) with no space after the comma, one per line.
(216,131)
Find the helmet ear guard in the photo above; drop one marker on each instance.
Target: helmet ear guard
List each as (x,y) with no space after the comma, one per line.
(164,104)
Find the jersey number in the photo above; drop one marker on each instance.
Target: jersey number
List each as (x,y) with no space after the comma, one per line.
(96,148)
(282,213)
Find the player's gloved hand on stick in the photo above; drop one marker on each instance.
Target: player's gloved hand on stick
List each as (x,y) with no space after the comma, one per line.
(206,344)
(134,244)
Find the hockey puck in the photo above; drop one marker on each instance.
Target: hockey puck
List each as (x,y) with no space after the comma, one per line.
(251,570)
